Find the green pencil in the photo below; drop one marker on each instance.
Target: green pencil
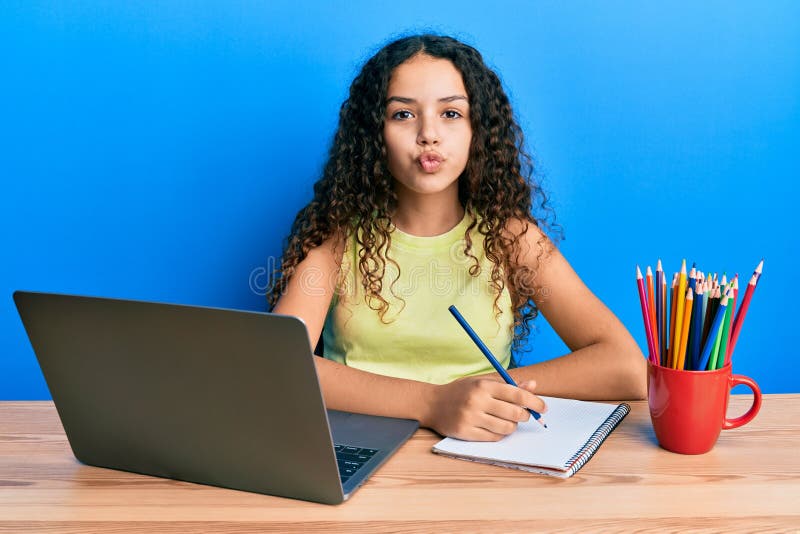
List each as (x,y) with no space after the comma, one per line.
(712,362)
(723,346)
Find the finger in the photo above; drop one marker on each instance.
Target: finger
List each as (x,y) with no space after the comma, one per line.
(520,397)
(530,385)
(480,434)
(507,410)
(497,425)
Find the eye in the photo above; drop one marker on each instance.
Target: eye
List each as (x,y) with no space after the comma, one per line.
(402,111)
(456,113)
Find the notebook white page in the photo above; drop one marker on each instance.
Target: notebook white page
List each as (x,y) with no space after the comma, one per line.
(570,424)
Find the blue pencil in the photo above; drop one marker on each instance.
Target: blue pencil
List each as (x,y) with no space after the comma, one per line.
(712,334)
(706,292)
(697,330)
(687,365)
(664,315)
(659,311)
(489,356)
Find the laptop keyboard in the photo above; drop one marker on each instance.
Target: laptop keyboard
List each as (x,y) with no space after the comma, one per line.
(351,459)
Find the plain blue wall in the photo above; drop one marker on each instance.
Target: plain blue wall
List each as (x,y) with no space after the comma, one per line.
(160,150)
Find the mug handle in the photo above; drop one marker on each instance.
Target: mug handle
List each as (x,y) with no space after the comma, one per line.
(735,380)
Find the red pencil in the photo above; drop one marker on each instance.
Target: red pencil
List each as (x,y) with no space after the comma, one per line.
(735,284)
(646,316)
(663,348)
(737,323)
(651,308)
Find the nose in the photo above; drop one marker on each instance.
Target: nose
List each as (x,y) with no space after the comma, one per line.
(428,132)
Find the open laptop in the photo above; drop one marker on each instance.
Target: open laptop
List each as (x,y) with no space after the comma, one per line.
(221,397)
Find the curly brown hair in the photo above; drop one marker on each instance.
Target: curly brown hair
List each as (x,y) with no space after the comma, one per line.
(355,195)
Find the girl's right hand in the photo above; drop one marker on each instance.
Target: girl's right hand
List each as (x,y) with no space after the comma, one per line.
(481,409)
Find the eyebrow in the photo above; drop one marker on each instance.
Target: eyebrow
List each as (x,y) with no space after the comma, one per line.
(406,100)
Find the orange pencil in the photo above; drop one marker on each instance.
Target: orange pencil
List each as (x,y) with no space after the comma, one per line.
(671,348)
(687,316)
(680,295)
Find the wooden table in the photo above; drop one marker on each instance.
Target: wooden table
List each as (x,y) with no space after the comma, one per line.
(749,481)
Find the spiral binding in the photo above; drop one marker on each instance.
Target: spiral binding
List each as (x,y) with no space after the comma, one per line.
(588,449)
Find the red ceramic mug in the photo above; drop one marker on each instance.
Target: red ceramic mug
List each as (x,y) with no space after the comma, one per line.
(688,408)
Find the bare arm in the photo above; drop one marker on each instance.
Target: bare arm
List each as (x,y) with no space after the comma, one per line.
(473,408)
(605,362)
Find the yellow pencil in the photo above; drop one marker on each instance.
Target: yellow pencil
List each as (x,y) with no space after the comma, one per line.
(673,299)
(680,296)
(687,316)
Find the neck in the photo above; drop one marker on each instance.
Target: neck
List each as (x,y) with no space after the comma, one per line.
(427,219)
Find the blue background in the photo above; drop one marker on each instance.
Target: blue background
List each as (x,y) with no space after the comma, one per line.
(159,151)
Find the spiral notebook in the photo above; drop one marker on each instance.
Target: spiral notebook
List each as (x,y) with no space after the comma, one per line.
(575,430)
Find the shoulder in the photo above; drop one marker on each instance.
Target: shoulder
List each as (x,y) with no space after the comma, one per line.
(319,265)
(329,252)
(310,286)
(532,244)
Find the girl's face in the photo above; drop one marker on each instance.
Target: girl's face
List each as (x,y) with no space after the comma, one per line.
(427,126)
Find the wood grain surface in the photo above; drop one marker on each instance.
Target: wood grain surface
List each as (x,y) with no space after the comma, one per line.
(749,482)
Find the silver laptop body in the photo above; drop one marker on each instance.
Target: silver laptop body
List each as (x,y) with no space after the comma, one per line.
(214,396)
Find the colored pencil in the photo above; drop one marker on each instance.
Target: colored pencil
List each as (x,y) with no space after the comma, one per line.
(672,301)
(697,329)
(692,285)
(659,310)
(645,316)
(702,322)
(489,356)
(725,332)
(711,309)
(758,268)
(664,296)
(712,361)
(680,296)
(695,323)
(728,351)
(651,309)
(687,315)
(712,335)
(740,315)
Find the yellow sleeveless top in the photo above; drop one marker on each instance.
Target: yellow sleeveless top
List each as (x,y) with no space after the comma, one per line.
(420,339)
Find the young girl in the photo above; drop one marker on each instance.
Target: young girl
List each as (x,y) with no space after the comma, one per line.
(424,202)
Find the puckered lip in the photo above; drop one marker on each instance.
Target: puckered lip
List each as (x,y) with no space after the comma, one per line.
(430,156)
